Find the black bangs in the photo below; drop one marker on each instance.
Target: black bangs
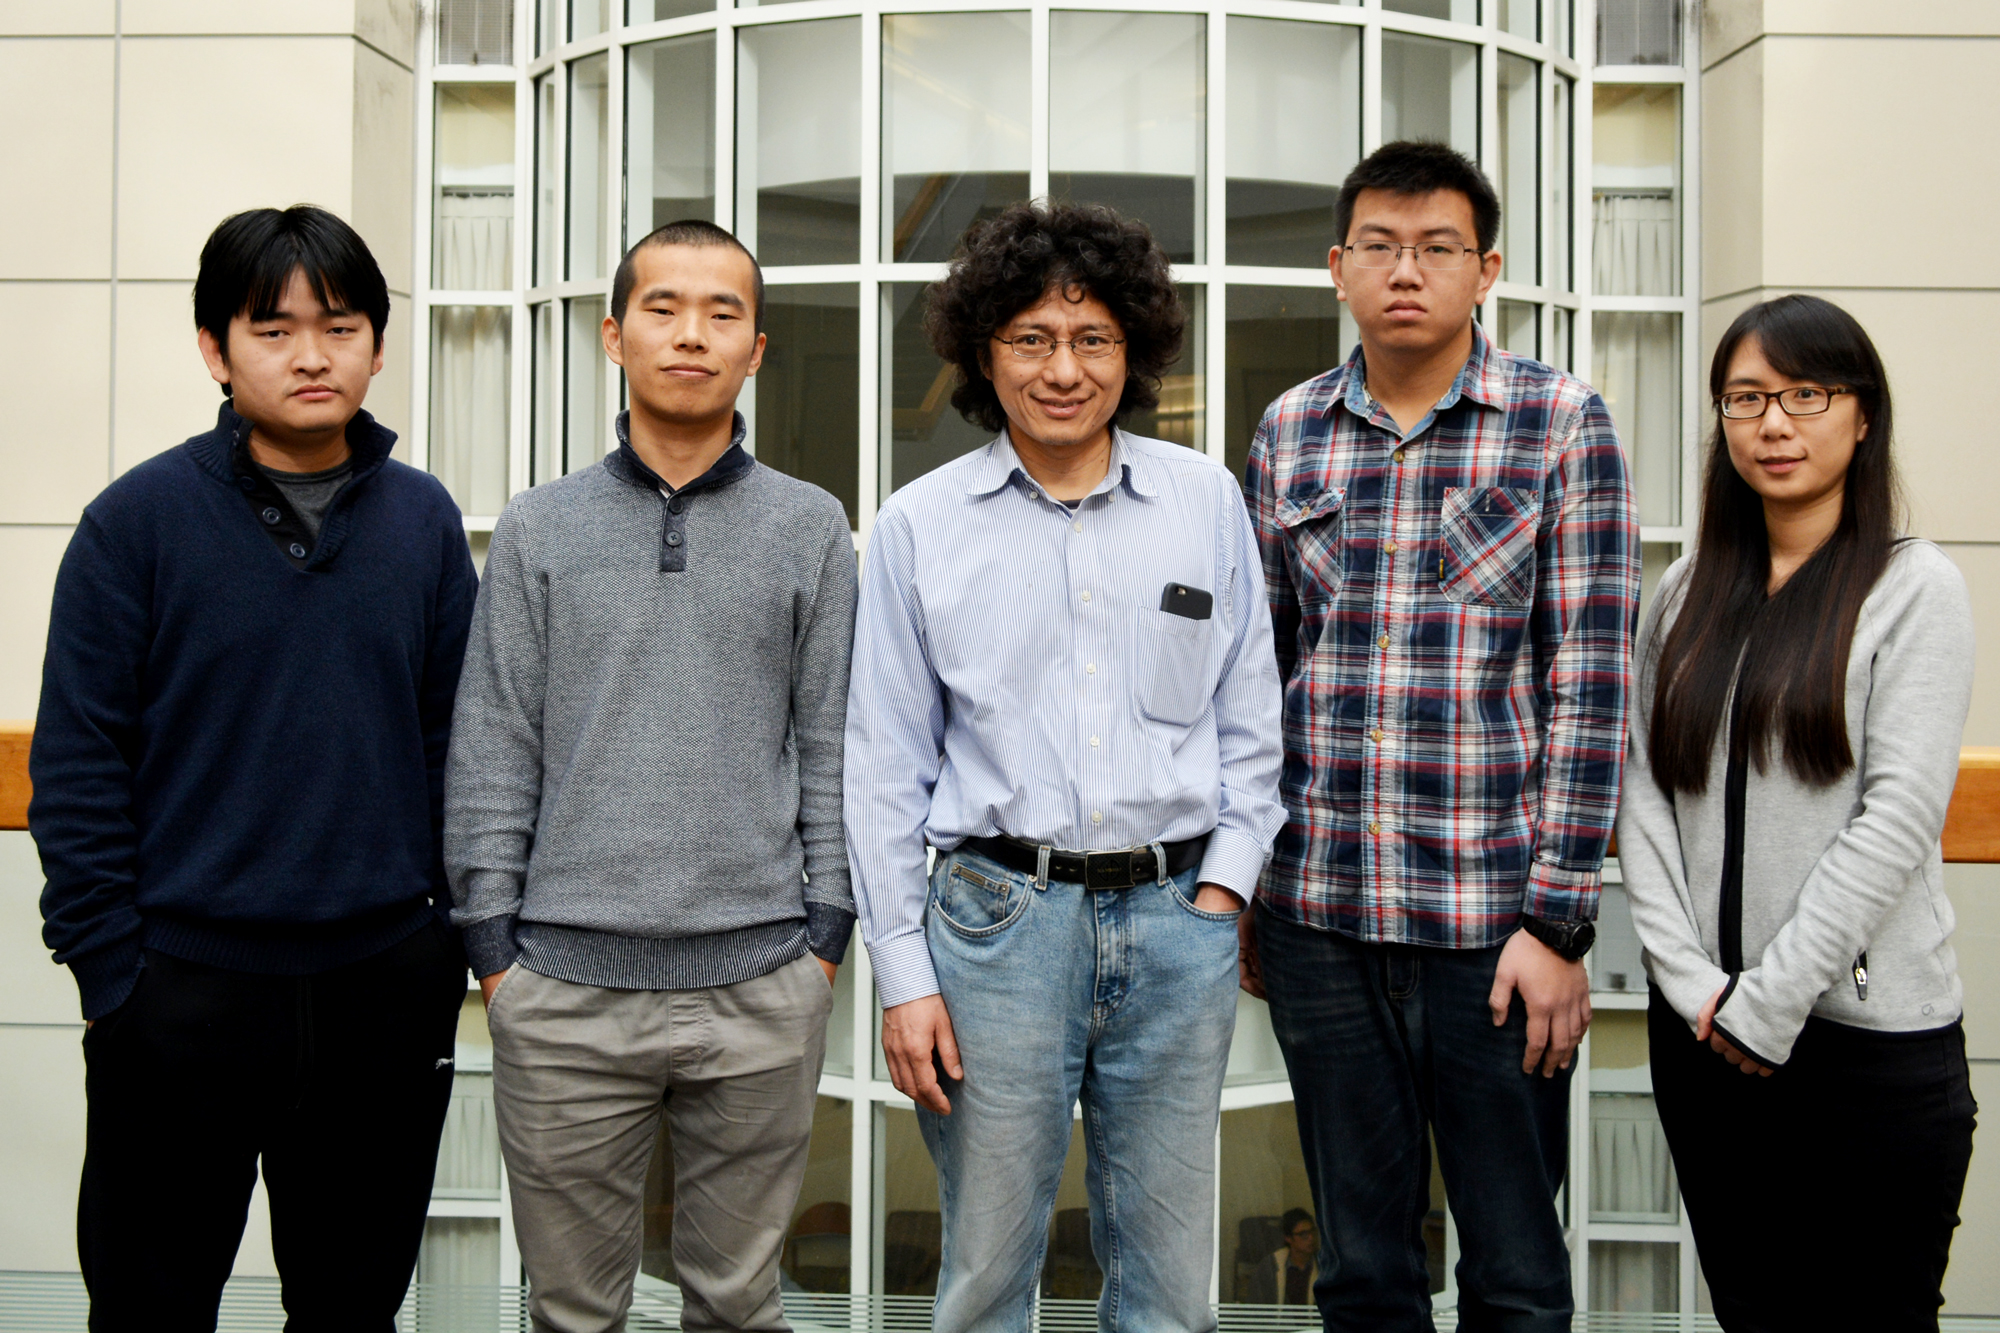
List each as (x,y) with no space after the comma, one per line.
(249,261)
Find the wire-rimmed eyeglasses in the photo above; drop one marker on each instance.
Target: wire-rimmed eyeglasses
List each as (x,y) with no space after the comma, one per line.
(1807,400)
(1431,254)
(1039,346)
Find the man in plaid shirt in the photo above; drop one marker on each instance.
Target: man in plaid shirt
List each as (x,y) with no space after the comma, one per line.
(1452,560)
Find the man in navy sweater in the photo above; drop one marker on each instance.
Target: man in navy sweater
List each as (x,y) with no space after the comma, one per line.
(238,771)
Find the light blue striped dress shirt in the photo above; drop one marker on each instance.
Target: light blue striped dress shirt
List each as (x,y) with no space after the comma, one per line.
(1014,675)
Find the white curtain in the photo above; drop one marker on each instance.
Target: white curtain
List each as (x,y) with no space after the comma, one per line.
(469,349)
(1635,1277)
(1635,245)
(475,240)
(1635,364)
(1631,1171)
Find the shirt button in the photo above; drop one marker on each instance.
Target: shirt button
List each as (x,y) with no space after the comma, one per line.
(1382,642)
(1076,527)
(1093,742)
(246,483)
(1399,455)
(1374,826)
(1086,594)
(1097,816)
(1376,735)
(675,505)
(1090,668)
(1390,548)
(673,539)
(270,516)
(298,551)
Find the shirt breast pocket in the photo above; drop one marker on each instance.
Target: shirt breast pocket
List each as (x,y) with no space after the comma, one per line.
(1486,546)
(1314,527)
(1174,679)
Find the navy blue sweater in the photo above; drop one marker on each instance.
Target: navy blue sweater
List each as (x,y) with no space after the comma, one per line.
(239,754)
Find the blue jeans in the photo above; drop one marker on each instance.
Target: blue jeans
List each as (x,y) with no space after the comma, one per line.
(1125,999)
(1383,1041)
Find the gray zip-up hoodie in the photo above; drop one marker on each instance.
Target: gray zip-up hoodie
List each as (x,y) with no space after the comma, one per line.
(1828,872)
(645,773)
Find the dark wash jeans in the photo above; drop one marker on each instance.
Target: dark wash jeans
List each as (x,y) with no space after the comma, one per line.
(338,1081)
(1382,1041)
(1823,1196)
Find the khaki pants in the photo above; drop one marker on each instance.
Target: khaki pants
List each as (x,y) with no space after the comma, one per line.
(581,1075)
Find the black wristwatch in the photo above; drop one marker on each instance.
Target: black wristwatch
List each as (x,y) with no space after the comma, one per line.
(1570,940)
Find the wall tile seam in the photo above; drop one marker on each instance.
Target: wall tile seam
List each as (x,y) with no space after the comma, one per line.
(404,65)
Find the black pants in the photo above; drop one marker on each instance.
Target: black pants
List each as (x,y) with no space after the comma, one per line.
(1825,1195)
(338,1081)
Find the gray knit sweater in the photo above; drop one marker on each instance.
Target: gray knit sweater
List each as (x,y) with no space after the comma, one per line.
(645,774)
(1827,871)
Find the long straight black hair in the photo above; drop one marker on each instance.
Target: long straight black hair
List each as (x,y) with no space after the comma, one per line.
(1792,644)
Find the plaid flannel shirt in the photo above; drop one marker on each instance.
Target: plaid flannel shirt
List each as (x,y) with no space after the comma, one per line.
(1454,612)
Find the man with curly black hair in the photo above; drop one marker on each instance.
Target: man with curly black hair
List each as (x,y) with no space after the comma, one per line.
(1064,682)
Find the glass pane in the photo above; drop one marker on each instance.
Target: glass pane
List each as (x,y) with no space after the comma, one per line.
(1635,191)
(817,1248)
(798,142)
(1516,326)
(1069,1270)
(1561,201)
(1294,134)
(1181,417)
(840,1023)
(669,133)
(924,430)
(587,18)
(468,1164)
(547,218)
(1635,364)
(1563,354)
(1128,92)
(473,230)
(1632,1173)
(1635,1276)
(470,397)
(475,32)
(1457,11)
(954,126)
(462,1252)
(1565,41)
(589,160)
(1430,90)
(1277,337)
(1614,959)
(648,11)
(548,33)
(910,1240)
(545,442)
(586,434)
(1638,32)
(1520,141)
(1523,18)
(808,408)
(1263,1182)
(1254,1054)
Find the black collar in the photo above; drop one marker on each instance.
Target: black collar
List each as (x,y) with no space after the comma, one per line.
(735,462)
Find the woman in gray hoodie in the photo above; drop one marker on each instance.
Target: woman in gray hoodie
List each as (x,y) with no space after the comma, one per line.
(1804,679)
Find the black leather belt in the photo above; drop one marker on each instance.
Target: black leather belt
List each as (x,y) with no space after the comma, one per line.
(1093,870)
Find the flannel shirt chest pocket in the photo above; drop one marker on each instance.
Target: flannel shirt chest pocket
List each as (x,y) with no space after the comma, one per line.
(1486,546)
(1314,526)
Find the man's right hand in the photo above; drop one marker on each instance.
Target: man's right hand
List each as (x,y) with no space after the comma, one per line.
(488,984)
(911,1032)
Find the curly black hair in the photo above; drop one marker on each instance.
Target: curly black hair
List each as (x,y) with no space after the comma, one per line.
(1009,262)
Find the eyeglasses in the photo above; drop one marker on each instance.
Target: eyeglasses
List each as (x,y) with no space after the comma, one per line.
(1808,400)
(1431,254)
(1039,346)
(1303,1232)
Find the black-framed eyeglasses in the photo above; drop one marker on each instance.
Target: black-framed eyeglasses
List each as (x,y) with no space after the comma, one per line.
(1039,346)
(1808,400)
(1431,254)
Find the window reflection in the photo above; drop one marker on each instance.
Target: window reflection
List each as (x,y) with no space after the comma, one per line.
(1069,1269)
(1430,90)
(1520,17)
(669,133)
(648,11)
(587,18)
(808,405)
(586,433)
(472,244)
(909,1243)
(1126,93)
(1635,207)
(1520,141)
(798,149)
(1560,172)
(1294,133)
(954,126)
(1457,11)
(589,160)
(1636,364)
(547,218)
(1263,1179)
(1278,337)
(1517,327)
(545,434)
(925,430)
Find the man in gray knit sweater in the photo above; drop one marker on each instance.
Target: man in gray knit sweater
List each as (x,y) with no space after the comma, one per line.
(642,815)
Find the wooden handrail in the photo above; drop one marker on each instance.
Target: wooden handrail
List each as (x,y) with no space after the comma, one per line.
(1971,826)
